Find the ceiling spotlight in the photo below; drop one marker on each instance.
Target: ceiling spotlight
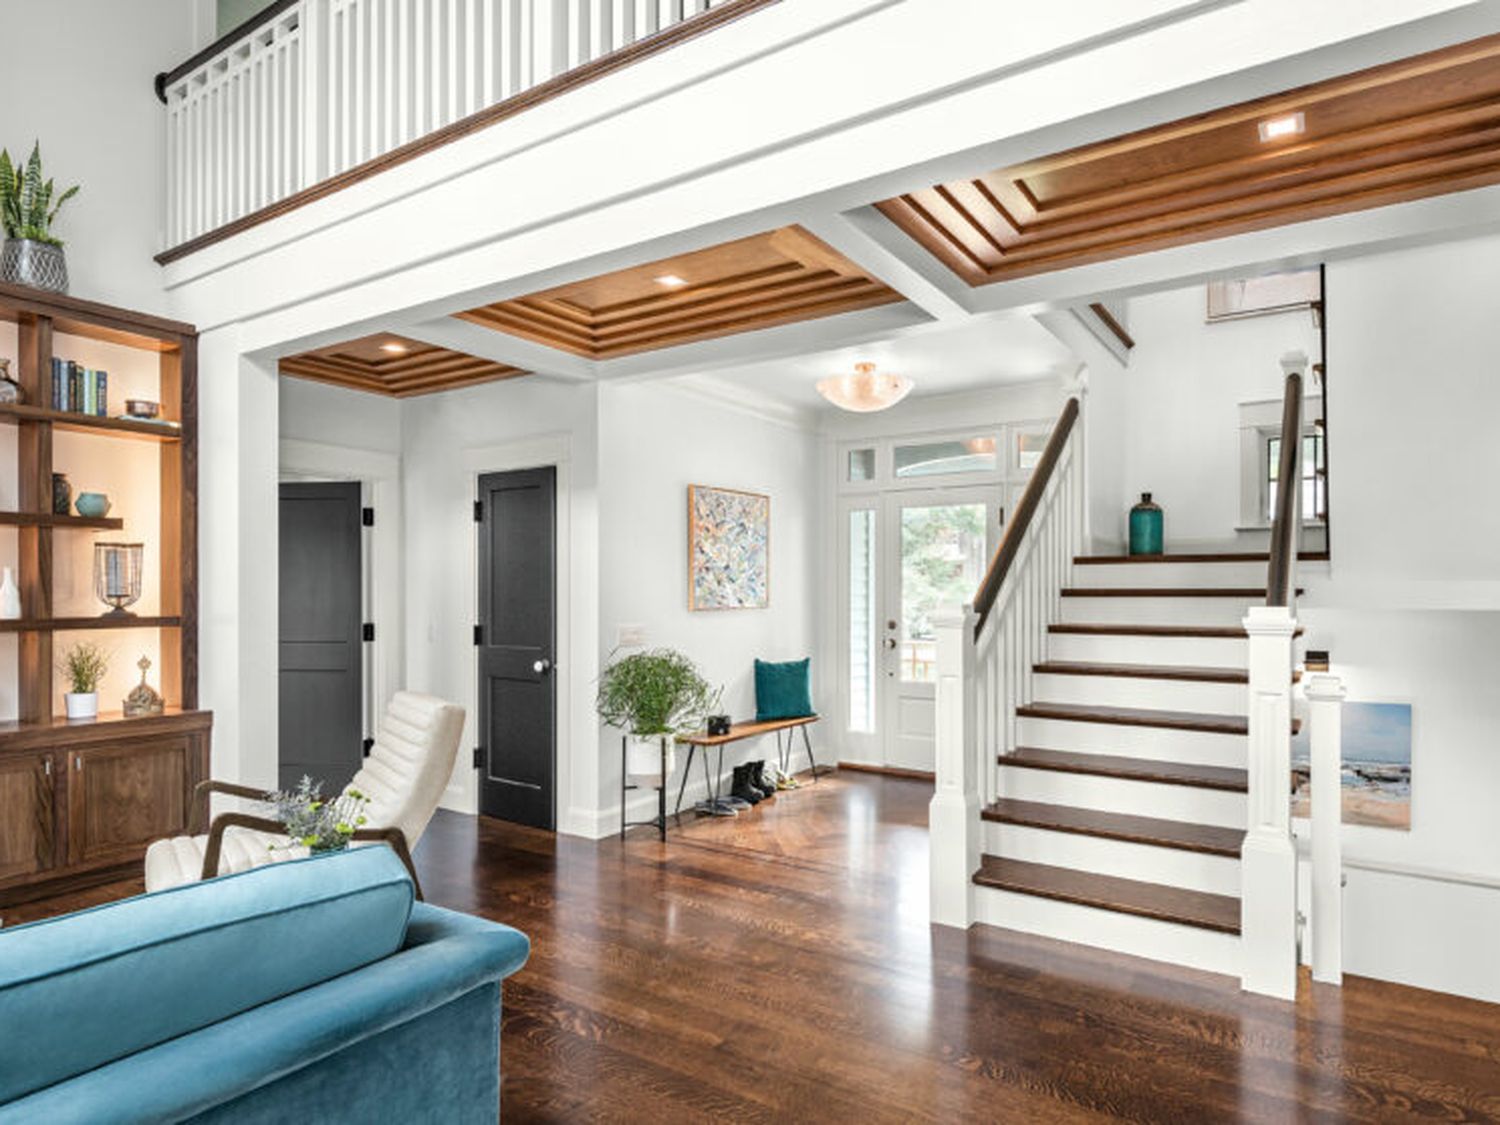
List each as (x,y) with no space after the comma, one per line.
(670,281)
(865,391)
(1287,125)
(393,347)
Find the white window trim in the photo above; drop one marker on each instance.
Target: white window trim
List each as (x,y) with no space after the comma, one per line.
(1259,422)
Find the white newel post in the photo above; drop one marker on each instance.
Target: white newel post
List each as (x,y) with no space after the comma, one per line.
(953,815)
(1325,696)
(1268,860)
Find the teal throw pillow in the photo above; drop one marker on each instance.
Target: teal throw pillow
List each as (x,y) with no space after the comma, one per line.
(784,690)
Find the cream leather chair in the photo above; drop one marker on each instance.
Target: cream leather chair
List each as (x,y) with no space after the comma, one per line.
(404,776)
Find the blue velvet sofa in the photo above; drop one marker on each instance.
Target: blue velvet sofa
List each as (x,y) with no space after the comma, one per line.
(313,990)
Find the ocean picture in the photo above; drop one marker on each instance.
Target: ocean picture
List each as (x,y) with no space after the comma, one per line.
(1376,774)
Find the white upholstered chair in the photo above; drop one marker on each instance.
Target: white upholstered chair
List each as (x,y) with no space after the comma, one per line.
(404,777)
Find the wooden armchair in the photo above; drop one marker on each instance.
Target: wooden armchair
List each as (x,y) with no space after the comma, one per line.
(404,776)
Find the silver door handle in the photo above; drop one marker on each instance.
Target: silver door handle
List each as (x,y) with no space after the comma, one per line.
(542,666)
(890,642)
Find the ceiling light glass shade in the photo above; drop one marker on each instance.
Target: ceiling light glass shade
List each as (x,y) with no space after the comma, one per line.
(865,391)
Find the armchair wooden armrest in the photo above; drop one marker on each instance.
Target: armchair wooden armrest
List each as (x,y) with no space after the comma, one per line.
(393,837)
(204,788)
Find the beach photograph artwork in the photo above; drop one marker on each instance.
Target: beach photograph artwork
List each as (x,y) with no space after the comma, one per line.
(1376,775)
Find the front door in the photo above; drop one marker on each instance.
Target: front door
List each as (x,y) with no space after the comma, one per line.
(321,662)
(516,641)
(936,546)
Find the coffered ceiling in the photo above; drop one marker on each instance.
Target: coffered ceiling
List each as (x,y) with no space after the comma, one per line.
(1422,126)
(394,365)
(779,277)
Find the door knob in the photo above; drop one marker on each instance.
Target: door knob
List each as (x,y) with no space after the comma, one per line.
(890,642)
(542,666)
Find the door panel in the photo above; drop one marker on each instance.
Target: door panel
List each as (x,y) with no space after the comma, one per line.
(321,653)
(123,796)
(517,625)
(27,824)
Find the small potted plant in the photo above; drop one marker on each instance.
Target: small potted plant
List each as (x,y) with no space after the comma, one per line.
(651,696)
(28,207)
(84,665)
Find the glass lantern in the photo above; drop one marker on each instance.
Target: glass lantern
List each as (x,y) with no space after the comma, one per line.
(117,576)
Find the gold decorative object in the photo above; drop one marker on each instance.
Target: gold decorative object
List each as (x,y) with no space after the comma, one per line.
(143,699)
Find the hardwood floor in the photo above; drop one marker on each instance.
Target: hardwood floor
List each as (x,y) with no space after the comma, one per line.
(779,967)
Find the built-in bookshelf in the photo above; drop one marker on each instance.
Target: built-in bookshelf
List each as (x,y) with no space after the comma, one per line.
(82,799)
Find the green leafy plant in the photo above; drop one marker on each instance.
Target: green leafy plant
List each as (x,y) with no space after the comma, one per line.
(27,206)
(654,693)
(316,824)
(85,665)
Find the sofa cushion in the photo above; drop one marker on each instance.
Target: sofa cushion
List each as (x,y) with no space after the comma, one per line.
(783,691)
(83,989)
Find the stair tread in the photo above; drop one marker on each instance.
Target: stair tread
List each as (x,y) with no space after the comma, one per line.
(1209,839)
(1110,892)
(1127,768)
(1209,722)
(1192,672)
(1110,628)
(1165,592)
(1195,557)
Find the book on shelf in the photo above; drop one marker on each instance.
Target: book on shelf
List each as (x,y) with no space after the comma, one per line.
(77,389)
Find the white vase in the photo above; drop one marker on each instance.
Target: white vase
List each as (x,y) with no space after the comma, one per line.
(10,597)
(81,704)
(643,760)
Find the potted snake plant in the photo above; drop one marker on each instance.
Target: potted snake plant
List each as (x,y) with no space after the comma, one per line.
(650,696)
(28,207)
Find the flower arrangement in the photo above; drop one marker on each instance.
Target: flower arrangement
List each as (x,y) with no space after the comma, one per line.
(316,824)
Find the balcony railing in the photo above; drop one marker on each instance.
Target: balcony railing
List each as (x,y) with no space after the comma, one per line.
(313,90)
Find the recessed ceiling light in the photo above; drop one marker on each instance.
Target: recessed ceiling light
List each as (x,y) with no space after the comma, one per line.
(670,281)
(1287,125)
(394,347)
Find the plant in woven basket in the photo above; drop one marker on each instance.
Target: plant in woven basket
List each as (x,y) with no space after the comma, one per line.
(28,203)
(654,693)
(316,824)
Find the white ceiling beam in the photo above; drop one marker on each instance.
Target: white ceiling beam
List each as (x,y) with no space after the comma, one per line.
(872,242)
(501,347)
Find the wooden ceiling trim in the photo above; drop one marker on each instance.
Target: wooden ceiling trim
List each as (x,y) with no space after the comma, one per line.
(363,365)
(1419,127)
(755,282)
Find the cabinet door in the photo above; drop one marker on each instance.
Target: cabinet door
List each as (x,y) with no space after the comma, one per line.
(121,796)
(27,824)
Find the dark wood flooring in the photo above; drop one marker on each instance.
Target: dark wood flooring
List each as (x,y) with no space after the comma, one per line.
(779,967)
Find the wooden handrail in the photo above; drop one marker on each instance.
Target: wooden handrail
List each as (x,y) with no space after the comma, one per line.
(1020,520)
(1283,528)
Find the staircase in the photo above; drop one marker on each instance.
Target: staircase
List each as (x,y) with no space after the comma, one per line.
(1124,806)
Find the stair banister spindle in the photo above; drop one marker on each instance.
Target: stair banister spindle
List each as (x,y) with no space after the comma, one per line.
(1325,696)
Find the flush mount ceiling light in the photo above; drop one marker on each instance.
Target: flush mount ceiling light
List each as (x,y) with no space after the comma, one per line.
(865,391)
(393,347)
(670,281)
(1279,128)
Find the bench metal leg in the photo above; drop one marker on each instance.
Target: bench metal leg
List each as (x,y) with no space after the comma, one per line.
(806,741)
(686,770)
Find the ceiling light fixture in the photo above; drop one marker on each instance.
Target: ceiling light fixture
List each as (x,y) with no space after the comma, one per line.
(1287,125)
(393,347)
(670,281)
(865,391)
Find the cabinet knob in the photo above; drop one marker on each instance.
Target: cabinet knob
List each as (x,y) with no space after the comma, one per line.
(47,766)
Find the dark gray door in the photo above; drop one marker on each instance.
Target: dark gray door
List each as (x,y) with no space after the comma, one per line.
(517,617)
(321,661)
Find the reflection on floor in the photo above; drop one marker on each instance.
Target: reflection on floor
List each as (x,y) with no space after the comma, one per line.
(779,967)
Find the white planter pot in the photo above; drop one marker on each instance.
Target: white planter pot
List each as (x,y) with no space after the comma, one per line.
(82,705)
(643,760)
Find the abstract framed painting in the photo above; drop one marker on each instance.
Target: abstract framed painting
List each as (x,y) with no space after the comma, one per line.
(729,548)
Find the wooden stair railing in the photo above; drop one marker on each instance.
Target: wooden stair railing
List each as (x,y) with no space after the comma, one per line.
(1284,529)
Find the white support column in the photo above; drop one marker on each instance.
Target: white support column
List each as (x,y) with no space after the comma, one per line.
(1325,695)
(1268,860)
(953,815)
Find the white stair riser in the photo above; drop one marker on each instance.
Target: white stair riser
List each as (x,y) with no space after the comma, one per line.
(1157,611)
(1144,862)
(1170,574)
(1209,652)
(1130,691)
(1107,929)
(1116,794)
(1161,744)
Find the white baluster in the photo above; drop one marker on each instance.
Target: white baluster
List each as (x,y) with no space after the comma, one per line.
(313,96)
(1325,695)
(953,814)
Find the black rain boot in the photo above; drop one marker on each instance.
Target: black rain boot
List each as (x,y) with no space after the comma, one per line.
(760,777)
(739,786)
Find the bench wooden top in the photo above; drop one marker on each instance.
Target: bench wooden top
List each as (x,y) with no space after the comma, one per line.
(746,730)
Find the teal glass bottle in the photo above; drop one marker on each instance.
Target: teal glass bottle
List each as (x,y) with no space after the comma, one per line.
(1146,527)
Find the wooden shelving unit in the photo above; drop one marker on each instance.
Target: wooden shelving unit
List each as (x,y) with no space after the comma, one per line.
(80,800)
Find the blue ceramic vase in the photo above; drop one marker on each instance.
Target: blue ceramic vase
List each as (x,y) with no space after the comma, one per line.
(1146,527)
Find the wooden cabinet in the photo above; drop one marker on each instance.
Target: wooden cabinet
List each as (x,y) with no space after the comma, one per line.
(28,828)
(123,795)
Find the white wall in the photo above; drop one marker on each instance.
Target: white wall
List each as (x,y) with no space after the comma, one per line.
(86,94)
(655,440)
(334,416)
(1182,390)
